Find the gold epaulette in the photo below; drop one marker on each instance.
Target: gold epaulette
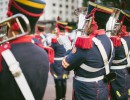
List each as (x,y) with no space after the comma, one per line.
(84,42)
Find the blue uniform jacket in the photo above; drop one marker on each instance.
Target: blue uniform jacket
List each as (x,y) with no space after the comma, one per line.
(120,53)
(35,66)
(56,67)
(90,57)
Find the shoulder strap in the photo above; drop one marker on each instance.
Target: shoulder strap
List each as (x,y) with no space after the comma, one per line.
(16,71)
(103,54)
(126,51)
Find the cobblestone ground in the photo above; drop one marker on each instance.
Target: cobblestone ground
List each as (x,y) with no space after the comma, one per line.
(50,89)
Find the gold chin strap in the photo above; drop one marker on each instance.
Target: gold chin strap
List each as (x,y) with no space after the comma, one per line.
(89,24)
(112,21)
(88,32)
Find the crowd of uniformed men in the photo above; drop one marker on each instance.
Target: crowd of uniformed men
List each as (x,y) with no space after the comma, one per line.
(97,51)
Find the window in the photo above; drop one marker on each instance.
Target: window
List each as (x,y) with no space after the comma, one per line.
(60,12)
(6,2)
(72,7)
(54,4)
(60,5)
(67,6)
(1,3)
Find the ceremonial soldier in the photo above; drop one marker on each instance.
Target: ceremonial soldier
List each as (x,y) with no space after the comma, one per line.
(59,74)
(120,88)
(40,28)
(40,35)
(90,60)
(26,59)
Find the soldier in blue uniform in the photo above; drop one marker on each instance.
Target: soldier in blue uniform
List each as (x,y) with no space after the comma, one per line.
(60,75)
(88,63)
(33,59)
(120,88)
(40,35)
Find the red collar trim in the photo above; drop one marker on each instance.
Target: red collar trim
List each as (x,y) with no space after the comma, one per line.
(124,34)
(22,39)
(54,40)
(84,42)
(116,41)
(37,36)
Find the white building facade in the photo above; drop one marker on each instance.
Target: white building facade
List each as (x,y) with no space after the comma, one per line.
(3,9)
(62,8)
(53,9)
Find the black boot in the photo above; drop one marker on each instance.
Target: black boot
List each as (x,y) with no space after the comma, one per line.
(64,86)
(58,87)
